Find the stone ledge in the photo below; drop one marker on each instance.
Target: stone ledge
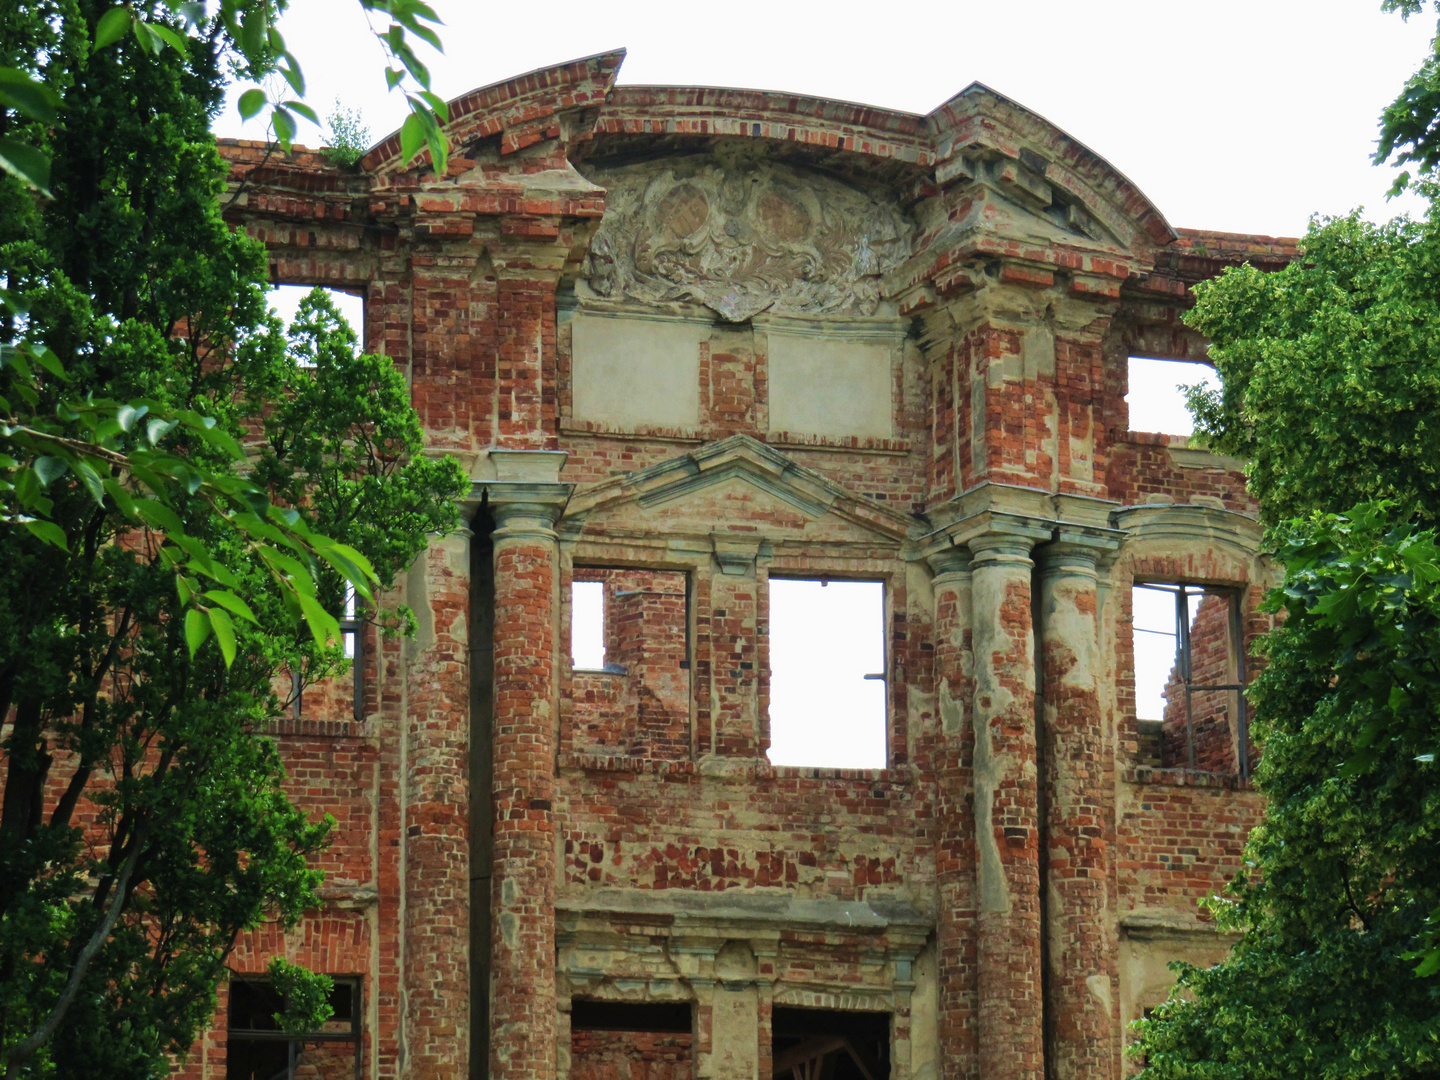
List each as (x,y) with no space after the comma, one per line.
(1145,774)
(325,728)
(730,768)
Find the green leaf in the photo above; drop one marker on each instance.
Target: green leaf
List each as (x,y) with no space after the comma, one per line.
(147,37)
(393,77)
(14,303)
(324,627)
(251,102)
(46,358)
(128,414)
(48,532)
(24,161)
(159,517)
(224,634)
(170,37)
(284,125)
(28,96)
(304,110)
(412,137)
(91,479)
(49,469)
(113,26)
(197,629)
(233,603)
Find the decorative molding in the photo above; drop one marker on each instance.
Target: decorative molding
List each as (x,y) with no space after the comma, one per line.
(742,237)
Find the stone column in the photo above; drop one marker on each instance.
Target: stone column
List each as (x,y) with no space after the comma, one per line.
(522,982)
(435,814)
(1007,825)
(1082,1033)
(955,842)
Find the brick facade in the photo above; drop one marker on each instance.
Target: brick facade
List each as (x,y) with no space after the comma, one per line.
(515,836)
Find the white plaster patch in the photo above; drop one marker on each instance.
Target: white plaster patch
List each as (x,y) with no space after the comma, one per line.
(835,387)
(633,372)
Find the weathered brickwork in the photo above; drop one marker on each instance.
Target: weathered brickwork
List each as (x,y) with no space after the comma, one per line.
(683,382)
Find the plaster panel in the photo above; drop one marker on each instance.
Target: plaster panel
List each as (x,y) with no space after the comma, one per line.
(630,373)
(834,387)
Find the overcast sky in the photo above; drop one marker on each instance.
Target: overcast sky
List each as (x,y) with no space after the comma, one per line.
(1244,115)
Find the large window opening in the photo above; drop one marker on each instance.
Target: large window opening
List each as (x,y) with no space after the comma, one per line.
(621,1039)
(630,662)
(1156,394)
(285,300)
(256,1048)
(1189,676)
(827,673)
(826,1044)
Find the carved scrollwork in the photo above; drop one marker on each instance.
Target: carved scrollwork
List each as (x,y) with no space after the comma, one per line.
(742,238)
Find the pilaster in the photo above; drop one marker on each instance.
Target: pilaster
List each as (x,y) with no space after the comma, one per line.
(1082,987)
(435,814)
(955,818)
(1007,825)
(523,1006)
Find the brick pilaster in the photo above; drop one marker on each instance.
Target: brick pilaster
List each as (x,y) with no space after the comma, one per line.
(955,842)
(528,270)
(522,985)
(435,816)
(1007,826)
(1082,988)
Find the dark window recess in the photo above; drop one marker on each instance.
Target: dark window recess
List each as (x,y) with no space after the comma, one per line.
(1190,677)
(657,1016)
(256,1048)
(826,1044)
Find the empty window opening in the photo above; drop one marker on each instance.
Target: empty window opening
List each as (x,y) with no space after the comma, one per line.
(827,673)
(1189,677)
(629,648)
(1157,396)
(828,1044)
(285,300)
(587,625)
(610,1039)
(258,1050)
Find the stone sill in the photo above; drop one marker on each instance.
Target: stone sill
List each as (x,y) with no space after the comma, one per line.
(868,445)
(1145,774)
(343,729)
(730,768)
(1156,438)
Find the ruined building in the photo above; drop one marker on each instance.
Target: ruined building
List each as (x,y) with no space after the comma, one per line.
(696,346)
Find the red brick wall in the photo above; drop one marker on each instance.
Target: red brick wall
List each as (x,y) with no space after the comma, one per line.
(630,1055)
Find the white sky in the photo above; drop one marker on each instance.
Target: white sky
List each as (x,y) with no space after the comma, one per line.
(1244,115)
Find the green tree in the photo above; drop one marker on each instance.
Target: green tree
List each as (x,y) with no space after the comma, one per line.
(185,492)
(1331,387)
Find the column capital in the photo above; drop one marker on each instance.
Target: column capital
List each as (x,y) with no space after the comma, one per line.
(1078,551)
(949,563)
(525,510)
(1001,548)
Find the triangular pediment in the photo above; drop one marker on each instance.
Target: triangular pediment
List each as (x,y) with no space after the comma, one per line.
(737,485)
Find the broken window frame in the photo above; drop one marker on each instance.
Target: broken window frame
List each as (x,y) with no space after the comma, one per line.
(295,1043)
(1182,591)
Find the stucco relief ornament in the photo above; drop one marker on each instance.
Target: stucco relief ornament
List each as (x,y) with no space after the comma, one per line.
(742,239)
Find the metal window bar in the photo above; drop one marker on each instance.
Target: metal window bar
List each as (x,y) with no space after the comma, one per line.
(1184,661)
(352,634)
(295,1044)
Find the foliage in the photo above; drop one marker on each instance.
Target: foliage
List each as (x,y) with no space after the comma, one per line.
(245,32)
(1331,387)
(306,995)
(1410,125)
(349,137)
(1322,981)
(184,492)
